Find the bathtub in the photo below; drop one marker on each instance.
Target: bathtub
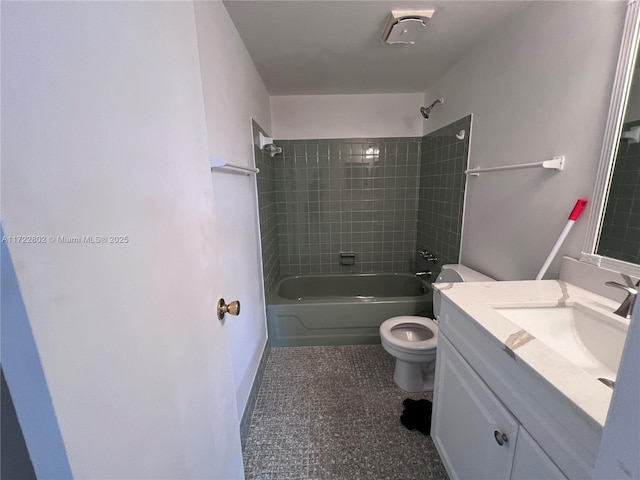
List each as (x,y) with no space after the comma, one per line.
(342,309)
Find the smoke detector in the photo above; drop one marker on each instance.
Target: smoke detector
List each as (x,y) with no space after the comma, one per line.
(404,26)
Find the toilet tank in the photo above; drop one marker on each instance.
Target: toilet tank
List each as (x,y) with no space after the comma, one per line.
(456,273)
(459,273)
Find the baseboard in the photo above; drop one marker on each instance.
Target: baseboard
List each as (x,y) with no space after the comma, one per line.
(245,423)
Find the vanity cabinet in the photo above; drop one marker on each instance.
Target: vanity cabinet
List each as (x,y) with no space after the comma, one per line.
(466,414)
(493,375)
(531,462)
(476,435)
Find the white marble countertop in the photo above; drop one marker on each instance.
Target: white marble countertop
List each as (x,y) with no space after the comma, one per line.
(478,300)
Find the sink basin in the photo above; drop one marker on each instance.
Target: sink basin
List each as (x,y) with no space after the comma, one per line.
(589,339)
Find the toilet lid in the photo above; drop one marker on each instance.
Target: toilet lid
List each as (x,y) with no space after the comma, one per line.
(415,336)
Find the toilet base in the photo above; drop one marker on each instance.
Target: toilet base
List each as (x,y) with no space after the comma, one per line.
(414,377)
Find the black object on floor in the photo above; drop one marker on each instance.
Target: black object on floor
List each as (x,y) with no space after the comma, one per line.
(417,415)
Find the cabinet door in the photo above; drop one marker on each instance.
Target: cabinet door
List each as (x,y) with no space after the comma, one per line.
(531,463)
(469,421)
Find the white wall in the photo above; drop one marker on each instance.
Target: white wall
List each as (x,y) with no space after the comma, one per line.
(539,87)
(104,133)
(233,94)
(346,116)
(38,425)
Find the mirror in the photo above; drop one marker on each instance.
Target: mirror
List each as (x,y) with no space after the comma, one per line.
(613,228)
(620,226)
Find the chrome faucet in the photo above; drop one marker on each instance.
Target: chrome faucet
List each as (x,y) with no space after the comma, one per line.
(625,309)
(428,256)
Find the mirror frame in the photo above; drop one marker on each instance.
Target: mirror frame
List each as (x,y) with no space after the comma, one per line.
(613,130)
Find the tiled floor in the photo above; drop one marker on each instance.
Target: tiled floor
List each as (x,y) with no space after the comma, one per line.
(334,413)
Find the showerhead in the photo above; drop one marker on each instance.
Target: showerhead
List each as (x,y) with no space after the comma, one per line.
(425,111)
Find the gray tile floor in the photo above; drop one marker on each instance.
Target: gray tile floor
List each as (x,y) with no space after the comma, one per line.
(334,413)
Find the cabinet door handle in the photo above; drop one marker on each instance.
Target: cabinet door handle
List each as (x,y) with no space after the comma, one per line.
(500,437)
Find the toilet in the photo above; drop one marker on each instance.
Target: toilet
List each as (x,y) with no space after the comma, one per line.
(413,340)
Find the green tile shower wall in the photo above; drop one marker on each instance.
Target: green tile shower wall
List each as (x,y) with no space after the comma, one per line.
(443,160)
(347,195)
(268,216)
(381,198)
(620,236)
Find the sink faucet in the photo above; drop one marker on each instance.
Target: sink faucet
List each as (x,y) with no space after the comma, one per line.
(626,308)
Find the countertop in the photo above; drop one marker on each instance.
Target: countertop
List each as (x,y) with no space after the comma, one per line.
(478,300)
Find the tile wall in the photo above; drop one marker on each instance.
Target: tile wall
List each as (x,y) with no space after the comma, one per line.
(443,160)
(380,198)
(347,195)
(620,236)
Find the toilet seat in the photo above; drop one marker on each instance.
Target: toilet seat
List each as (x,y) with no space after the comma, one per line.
(405,345)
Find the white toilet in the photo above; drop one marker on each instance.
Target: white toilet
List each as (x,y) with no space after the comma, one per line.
(413,340)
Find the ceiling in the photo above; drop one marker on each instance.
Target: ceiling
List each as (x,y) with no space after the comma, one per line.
(334,47)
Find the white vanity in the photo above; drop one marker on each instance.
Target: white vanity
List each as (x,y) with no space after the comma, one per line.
(516,392)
